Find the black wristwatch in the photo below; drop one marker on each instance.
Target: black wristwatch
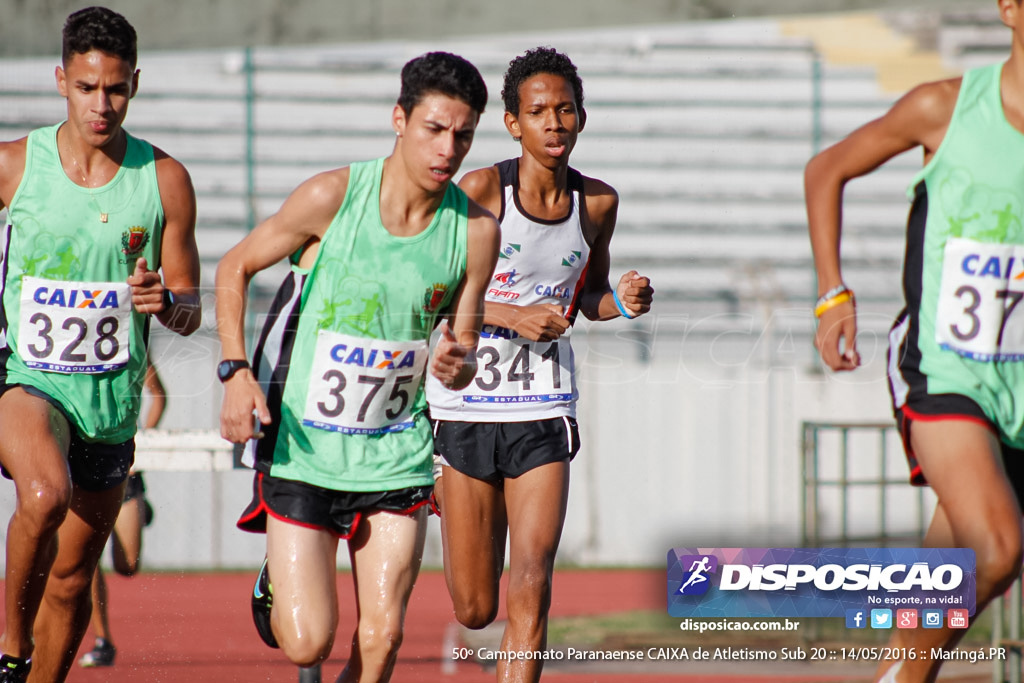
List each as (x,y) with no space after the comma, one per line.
(227,368)
(169,298)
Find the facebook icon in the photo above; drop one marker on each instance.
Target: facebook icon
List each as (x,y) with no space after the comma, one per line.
(856,618)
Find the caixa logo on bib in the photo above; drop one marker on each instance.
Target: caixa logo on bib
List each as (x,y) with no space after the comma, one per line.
(816,582)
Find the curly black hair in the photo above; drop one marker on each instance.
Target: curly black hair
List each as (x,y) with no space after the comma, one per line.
(99,28)
(541,60)
(444,73)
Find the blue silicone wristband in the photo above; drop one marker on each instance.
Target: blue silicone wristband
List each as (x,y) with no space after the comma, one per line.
(622,309)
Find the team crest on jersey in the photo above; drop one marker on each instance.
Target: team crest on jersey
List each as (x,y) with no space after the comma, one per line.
(509,250)
(572,259)
(434,296)
(134,240)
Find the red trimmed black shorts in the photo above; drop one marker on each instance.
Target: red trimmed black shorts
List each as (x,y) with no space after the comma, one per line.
(941,407)
(338,512)
(492,451)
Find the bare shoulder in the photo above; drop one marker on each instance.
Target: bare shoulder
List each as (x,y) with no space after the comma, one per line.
(324,191)
(482,222)
(311,207)
(169,171)
(927,107)
(13,152)
(483,186)
(935,99)
(920,117)
(483,240)
(602,205)
(12,167)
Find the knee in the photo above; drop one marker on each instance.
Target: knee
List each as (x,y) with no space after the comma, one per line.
(380,641)
(305,649)
(44,504)
(529,591)
(475,608)
(999,558)
(475,613)
(71,587)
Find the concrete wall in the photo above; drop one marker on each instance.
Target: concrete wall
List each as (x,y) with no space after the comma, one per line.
(32,27)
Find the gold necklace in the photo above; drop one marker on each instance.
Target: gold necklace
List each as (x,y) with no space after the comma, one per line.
(103,214)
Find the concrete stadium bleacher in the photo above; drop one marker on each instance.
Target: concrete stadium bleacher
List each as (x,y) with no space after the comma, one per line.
(703,128)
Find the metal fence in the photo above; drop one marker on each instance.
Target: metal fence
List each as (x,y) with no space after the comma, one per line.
(848,474)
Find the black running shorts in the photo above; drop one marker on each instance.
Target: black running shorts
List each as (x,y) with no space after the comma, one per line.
(94,466)
(314,507)
(491,451)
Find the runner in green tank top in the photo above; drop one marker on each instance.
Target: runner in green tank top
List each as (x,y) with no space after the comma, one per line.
(93,213)
(956,364)
(385,247)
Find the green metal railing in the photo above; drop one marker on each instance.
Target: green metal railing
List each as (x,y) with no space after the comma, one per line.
(829,445)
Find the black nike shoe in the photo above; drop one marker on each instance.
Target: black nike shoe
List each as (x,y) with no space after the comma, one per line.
(102,654)
(262,600)
(14,670)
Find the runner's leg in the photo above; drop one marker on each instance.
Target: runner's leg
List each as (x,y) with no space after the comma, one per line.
(33,449)
(302,564)
(386,552)
(125,550)
(127,547)
(67,605)
(100,621)
(473,531)
(536,503)
(977,509)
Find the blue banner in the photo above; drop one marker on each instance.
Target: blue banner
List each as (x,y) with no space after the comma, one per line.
(818,582)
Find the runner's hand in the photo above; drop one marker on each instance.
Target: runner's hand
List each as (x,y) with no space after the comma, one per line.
(635,293)
(452,361)
(540,322)
(836,339)
(243,399)
(147,288)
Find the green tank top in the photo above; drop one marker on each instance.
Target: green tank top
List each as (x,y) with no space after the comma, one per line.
(70,329)
(353,407)
(965,257)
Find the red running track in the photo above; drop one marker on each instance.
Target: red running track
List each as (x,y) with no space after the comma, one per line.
(196,628)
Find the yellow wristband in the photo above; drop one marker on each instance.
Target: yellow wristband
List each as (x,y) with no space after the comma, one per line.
(829,304)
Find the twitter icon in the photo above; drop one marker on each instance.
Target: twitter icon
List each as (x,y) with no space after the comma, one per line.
(881,618)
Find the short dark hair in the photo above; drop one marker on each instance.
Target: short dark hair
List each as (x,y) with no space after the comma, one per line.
(541,60)
(444,73)
(99,28)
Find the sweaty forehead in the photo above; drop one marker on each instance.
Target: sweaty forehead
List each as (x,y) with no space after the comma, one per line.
(546,84)
(97,61)
(445,110)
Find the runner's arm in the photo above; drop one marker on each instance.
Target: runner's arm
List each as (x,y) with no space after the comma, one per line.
(301,222)
(12,168)
(633,290)
(919,118)
(454,359)
(174,298)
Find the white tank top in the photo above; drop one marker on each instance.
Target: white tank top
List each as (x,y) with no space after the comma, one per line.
(541,261)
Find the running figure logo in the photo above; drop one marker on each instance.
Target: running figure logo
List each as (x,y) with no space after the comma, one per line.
(507,279)
(695,580)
